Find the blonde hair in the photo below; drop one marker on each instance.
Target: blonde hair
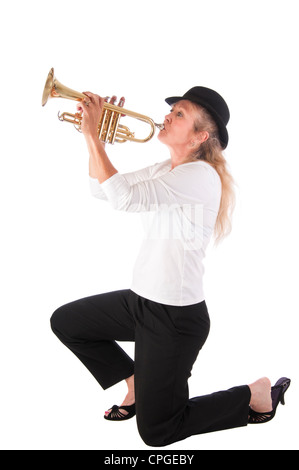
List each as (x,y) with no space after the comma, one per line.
(211,152)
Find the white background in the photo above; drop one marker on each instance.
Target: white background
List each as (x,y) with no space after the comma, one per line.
(59,244)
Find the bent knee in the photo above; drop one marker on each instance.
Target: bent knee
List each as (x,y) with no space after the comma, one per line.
(153,436)
(58,321)
(153,441)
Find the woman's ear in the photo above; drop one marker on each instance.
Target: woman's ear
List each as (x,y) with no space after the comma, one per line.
(203,136)
(200,138)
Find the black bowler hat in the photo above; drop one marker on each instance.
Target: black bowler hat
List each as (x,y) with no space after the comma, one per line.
(213,103)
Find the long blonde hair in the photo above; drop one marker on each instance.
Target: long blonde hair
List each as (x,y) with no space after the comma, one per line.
(211,152)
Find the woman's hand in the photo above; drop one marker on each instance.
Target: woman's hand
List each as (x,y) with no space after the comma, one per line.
(91,110)
(100,166)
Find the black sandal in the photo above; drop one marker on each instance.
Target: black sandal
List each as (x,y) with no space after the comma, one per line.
(116,415)
(277,393)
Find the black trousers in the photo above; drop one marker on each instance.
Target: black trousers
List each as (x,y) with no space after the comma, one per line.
(167,342)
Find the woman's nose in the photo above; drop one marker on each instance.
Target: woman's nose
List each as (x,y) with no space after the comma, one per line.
(168,117)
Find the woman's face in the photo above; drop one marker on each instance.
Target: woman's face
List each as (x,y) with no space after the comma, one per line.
(179,125)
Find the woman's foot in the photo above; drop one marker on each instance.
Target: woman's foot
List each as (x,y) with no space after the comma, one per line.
(261,400)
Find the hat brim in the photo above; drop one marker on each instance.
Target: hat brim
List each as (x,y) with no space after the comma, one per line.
(223,134)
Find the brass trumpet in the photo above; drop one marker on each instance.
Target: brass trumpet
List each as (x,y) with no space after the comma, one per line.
(109,129)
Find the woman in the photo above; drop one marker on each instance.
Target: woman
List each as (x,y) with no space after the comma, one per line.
(186,200)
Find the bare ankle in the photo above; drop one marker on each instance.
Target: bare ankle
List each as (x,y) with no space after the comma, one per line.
(131,385)
(130,397)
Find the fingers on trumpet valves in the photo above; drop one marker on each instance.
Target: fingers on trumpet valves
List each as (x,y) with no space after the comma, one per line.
(93,99)
(121,104)
(96,99)
(113,99)
(110,99)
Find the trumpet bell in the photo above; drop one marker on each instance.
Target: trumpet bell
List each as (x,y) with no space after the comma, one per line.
(54,89)
(48,87)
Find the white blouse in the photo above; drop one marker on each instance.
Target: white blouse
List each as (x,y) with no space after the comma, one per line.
(179,208)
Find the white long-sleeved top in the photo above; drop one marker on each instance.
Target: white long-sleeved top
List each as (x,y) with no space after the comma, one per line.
(179,208)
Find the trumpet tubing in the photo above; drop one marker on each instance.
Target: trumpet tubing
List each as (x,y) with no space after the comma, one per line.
(109,128)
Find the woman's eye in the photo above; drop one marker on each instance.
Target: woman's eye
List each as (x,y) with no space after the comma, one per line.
(179,113)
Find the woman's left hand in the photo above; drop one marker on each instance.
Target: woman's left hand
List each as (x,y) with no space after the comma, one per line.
(91,109)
